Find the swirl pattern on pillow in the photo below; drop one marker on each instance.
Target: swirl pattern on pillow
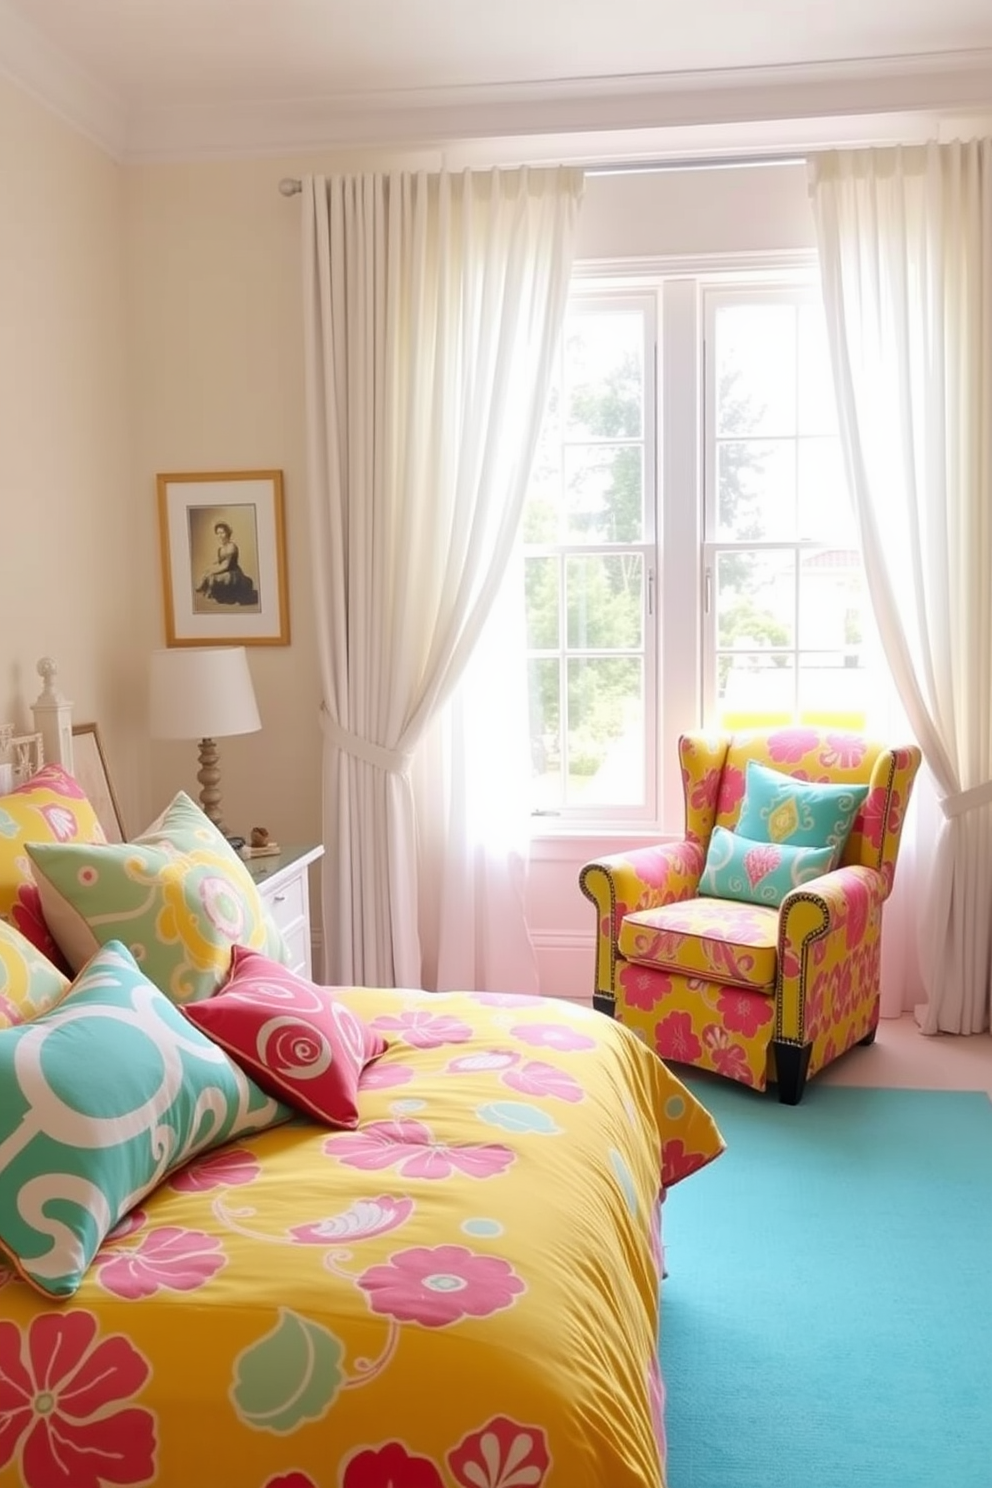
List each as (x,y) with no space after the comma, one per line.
(797,813)
(294,1038)
(178,896)
(103,1096)
(759,872)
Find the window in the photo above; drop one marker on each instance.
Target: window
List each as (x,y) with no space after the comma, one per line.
(786,610)
(690,555)
(589,567)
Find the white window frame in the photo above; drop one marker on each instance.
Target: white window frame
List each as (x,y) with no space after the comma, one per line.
(681,672)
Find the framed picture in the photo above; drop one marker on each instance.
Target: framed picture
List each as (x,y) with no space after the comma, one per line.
(224,559)
(89,767)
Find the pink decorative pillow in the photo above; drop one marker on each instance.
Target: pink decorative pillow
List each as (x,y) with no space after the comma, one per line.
(290,1036)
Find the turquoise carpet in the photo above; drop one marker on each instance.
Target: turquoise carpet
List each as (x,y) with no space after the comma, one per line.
(827,1318)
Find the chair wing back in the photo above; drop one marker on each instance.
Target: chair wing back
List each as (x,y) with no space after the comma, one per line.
(714,770)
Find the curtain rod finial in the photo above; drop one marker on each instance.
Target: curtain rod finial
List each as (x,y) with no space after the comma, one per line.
(289,187)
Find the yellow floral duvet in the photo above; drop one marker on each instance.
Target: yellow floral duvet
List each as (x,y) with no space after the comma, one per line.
(461,1293)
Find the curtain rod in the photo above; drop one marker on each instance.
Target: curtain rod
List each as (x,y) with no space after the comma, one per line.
(292,185)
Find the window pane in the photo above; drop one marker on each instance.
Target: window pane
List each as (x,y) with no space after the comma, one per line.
(755,369)
(834,689)
(605,732)
(604,375)
(605,602)
(757,490)
(544,692)
(604,500)
(755,599)
(832,601)
(825,511)
(541,587)
(755,690)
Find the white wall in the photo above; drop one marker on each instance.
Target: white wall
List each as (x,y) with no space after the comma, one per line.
(75,583)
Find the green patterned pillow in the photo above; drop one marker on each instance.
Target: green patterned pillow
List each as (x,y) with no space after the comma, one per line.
(178,896)
(29,983)
(102,1097)
(800,813)
(759,872)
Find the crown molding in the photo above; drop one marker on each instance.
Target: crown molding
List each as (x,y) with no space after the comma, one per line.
(578,106)
(553,117)
(31,61)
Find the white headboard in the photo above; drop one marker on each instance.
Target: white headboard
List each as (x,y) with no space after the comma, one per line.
(22,754)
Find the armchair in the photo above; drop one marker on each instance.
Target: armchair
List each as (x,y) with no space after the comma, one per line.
(756,992)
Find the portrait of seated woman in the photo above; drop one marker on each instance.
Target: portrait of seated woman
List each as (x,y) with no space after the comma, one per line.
(225,581)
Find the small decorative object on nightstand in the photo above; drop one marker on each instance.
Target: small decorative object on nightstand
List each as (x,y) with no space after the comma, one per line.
(284,884)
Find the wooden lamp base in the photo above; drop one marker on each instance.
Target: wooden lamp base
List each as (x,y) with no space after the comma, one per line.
(209,777)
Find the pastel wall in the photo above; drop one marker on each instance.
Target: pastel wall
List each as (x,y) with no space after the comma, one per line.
(72,581)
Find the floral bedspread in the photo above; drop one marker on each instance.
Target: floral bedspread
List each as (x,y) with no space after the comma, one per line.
(463,1293)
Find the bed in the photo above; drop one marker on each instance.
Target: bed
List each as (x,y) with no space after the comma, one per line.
(455,1285)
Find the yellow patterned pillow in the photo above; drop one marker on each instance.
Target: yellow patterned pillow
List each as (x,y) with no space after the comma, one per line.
(29,983)
(178,897)
(50,807)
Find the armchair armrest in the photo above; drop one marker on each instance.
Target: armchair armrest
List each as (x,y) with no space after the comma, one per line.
(830,914)
(643,878)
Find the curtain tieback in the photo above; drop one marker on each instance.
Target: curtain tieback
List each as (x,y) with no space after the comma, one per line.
(392,761)
(969,800)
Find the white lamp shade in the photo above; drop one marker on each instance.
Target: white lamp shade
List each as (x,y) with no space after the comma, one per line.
(200,692)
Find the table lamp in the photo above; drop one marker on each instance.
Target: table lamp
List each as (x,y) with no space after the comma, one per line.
(205,693)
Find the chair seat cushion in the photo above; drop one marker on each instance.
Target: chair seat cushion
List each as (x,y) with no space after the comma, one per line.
(721,940)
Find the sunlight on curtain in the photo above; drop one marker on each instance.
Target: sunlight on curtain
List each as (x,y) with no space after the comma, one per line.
(433,305)
(905,242)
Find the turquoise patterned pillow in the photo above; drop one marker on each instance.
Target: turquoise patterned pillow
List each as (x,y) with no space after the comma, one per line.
(759,872)
(800,813)
(102,1097)
(178,896)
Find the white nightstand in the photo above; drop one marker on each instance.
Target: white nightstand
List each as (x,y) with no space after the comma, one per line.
(284,884)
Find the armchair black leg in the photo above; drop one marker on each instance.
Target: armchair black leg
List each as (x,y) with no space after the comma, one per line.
(604,1003)
(869,1037)
(791,1064)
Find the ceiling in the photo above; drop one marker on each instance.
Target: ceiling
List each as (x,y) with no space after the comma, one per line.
(186,78)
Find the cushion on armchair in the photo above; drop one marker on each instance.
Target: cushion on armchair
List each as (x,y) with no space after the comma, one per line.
(763,872)
(718,940)
(797,813)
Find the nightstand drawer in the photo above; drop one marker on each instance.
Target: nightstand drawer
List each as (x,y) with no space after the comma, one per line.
(288,905)
(297,942)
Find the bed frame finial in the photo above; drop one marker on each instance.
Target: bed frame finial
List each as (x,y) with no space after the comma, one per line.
(53,716)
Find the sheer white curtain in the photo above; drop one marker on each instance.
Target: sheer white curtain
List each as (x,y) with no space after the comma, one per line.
(432,307)
(905,243)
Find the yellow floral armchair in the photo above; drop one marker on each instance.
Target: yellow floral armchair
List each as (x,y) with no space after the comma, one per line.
(757,992)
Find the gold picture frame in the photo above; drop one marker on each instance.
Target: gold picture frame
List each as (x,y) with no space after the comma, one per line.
(89,770)
(224,558)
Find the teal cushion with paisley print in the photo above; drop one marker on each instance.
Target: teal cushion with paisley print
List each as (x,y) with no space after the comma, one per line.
(758,872)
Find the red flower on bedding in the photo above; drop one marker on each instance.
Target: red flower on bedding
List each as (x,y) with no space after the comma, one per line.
(59,1384)
(410,1146)
(424,1030)
(390,1466)
(440,1284)
(168,1258)
(504,1454)
(224,1169)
